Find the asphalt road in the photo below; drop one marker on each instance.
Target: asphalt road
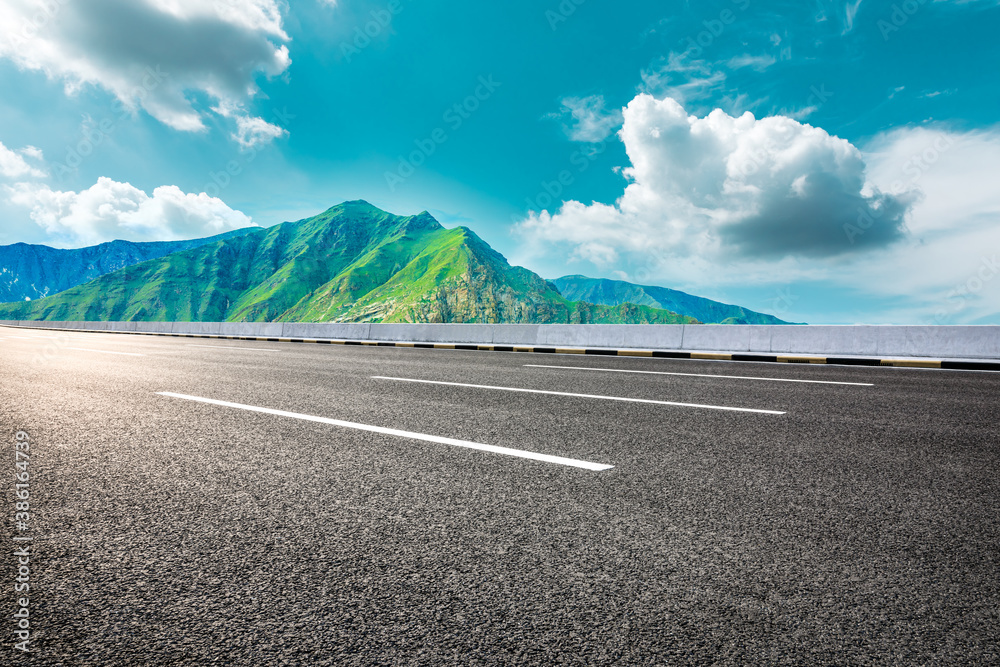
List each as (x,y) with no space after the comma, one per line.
(860,526)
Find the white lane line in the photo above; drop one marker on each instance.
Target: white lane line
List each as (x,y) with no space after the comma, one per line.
(85,349)
(699,375)
(563,393)
(38,337)
(401,434)
(234,347)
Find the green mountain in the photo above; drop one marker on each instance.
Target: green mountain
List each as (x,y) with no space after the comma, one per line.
(615,292)
(33,271)
(352,263)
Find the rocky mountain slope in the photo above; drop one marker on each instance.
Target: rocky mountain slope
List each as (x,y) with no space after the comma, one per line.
(351,263)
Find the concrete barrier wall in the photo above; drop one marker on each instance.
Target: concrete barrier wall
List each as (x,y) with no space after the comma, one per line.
(734,338)
(264,329)
(327,330)
(516,334)
(959,342)
(433,333)
(154,327)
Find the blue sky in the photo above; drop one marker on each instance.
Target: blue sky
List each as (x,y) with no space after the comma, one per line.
(609,139)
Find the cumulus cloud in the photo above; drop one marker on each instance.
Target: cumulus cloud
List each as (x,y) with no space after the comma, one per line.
(589,118)
(955,172)
(150,54)
(111,210)
(250,131)
(944,269)
(729,188)
(14,165)
(952,259)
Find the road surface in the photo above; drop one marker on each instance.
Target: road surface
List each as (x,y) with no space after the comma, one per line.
(197,501)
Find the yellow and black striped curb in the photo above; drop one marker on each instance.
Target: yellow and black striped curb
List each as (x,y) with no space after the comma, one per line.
(607,352)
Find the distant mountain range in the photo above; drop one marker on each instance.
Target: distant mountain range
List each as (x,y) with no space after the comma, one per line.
(351,263)
(34,271)
(615,292)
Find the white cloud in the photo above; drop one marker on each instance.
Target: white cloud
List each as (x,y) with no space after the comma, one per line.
(111,210)
(851,11)
(250,131)
(704,195)
(956,173)
(955,225)
(14,165)
(682,78)
(591,120)
(723,189)
(691,80)
(150,54)
(759,63)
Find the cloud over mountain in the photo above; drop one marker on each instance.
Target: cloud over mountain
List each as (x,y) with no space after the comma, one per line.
(110,210)
(728,187)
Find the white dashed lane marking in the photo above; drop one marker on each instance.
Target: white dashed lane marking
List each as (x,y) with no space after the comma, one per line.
(698,375)
(575,463)
(572,395)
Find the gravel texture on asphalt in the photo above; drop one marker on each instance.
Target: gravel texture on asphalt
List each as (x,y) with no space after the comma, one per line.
(861,527)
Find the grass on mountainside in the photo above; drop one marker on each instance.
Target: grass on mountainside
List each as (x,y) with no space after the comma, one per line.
(353,262)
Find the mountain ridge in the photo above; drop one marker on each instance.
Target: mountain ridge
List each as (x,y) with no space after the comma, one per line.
(607,292)
(351,263)
(34,271)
